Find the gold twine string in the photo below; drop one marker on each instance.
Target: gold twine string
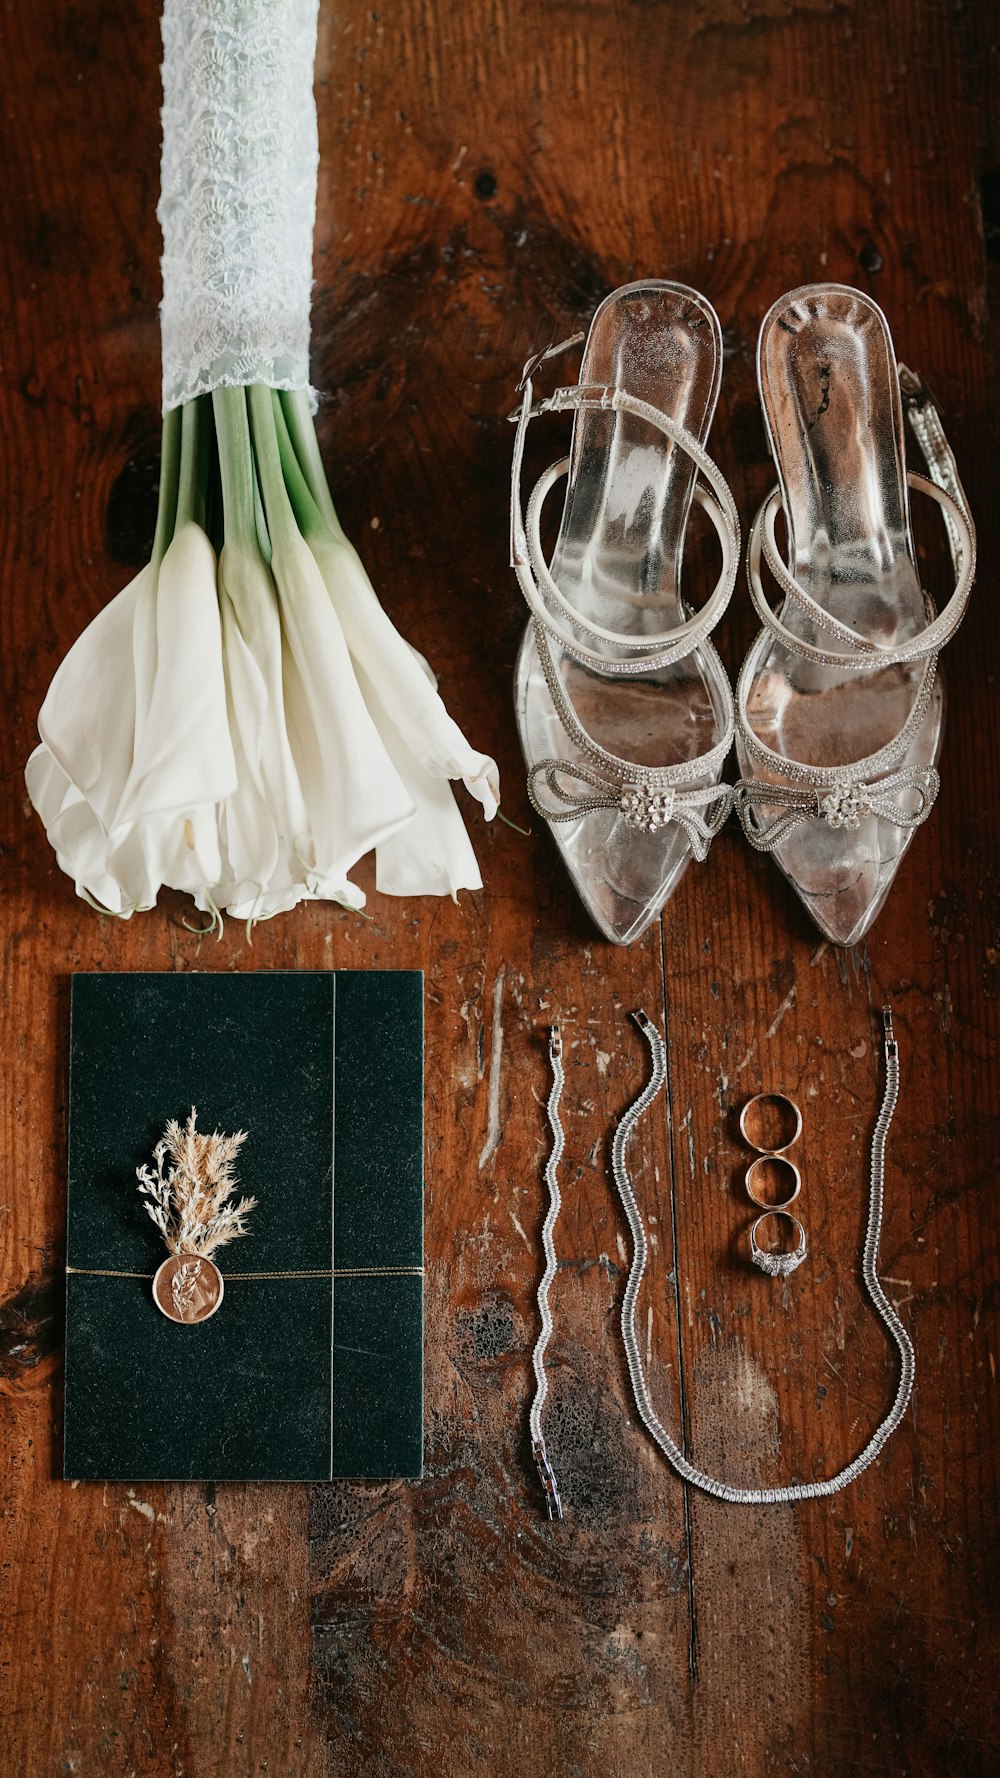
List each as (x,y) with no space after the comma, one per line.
(337,1272)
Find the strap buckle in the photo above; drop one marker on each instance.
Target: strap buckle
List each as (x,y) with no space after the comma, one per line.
(526,411)
(547,1478)
(570,398)
(538,358)
(916,391)
(576,395)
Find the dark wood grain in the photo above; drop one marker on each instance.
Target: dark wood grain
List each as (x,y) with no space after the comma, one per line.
(489,171)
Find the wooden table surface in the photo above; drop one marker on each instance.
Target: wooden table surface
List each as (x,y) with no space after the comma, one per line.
(488,172)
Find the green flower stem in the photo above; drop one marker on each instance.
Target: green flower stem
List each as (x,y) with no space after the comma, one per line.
(306,508)
(196,420)
(166,505)
(236,464)
(298,419)
(277,507)
(263,540)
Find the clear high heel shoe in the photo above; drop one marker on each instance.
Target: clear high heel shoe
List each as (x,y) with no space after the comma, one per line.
(839,703)
(624,710)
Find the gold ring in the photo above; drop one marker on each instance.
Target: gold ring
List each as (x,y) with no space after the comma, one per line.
(774,1099)
(776,1160)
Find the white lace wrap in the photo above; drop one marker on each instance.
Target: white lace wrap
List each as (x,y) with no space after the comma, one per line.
(238,193)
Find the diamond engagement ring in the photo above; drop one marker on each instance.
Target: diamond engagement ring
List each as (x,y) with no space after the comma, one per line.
(778,1265)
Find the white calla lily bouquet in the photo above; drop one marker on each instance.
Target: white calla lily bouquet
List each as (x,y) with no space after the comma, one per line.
(243,722)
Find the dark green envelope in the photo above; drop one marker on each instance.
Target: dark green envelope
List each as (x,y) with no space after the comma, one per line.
(294,1379)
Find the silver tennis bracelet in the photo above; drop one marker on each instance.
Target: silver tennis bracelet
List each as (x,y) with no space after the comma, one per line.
(538,1451)
(640,1251)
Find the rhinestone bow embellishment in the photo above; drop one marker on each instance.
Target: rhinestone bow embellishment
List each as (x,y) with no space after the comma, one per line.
(778,1265)
(844,806)
(700,812)
(646,808)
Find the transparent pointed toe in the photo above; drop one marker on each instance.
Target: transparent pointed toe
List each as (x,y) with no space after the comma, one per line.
(842,861)
(843,887)
(623,873)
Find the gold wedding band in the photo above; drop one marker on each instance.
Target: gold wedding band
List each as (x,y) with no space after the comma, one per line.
(776,1160)
(771,1099)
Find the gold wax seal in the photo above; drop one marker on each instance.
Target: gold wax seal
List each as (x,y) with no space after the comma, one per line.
(188,1195)
(188,1288)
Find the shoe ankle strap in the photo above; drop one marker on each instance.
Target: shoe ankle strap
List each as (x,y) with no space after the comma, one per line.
(640,653)
(921,411)
(864,655)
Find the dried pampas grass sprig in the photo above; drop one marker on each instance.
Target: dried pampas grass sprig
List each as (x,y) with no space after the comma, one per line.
(188,1194)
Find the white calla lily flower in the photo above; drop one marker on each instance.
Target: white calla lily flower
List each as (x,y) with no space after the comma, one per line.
(405,689)
(433,854)
(135,745)
(246,729)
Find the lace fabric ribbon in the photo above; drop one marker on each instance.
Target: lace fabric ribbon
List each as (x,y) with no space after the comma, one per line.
(238,194)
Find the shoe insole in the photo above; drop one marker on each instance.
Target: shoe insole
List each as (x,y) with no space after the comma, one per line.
(830,393)
(618,554)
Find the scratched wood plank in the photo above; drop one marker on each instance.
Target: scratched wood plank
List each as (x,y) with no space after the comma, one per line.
(488,173)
